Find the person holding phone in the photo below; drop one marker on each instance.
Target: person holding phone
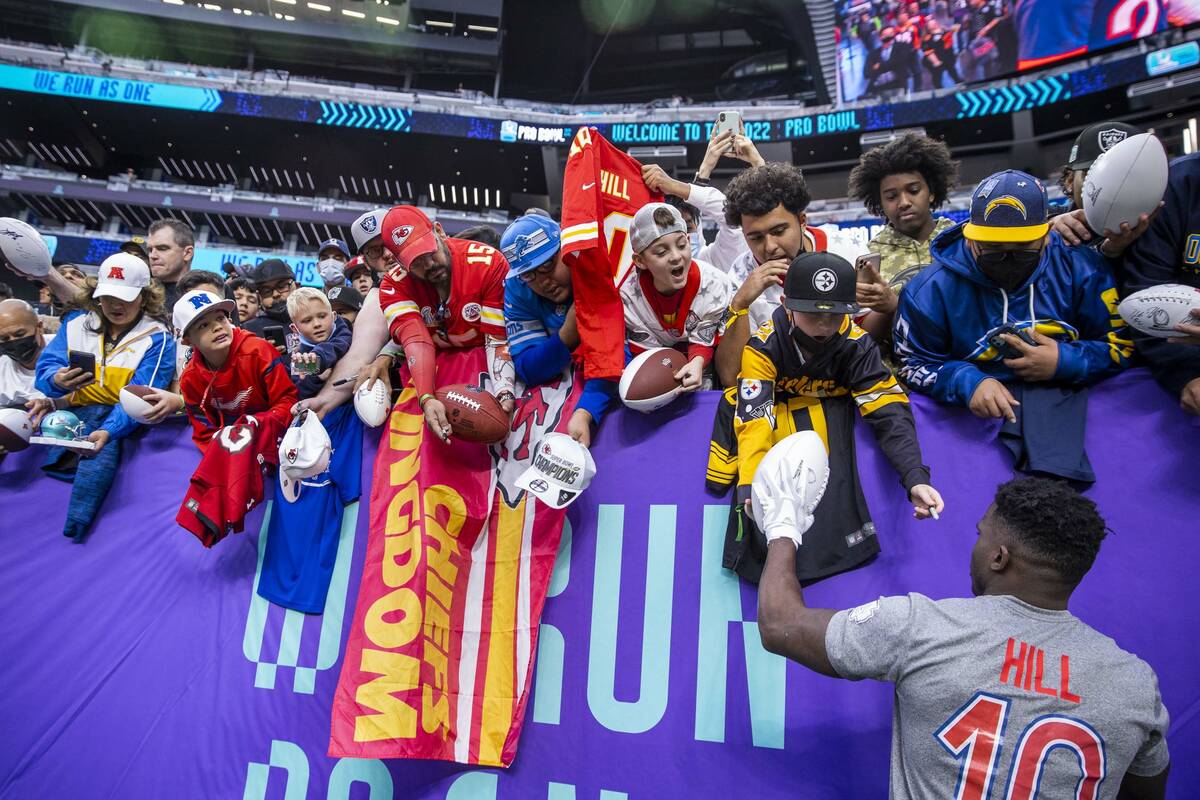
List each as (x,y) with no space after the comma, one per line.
(112,338)
(274,281)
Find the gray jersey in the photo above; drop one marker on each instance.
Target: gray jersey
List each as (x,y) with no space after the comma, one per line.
(996,698)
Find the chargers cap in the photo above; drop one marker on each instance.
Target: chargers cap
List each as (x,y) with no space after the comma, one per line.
(1009,206)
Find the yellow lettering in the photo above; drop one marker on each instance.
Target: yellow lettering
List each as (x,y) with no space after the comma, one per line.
(402,510)
(396,719)
(385,631)
(401,557)
(435,585)
(437,621)
(435,714)
(404,470)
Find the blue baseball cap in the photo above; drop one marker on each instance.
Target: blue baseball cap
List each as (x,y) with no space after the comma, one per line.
(1009,206)
(529,242)
(338,243)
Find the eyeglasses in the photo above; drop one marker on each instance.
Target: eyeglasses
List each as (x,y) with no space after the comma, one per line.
(544,271)
(280,288)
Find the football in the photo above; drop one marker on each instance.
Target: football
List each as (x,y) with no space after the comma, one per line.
(133,400)
(648,382)
(1157,310)
(1125,182)
(15,429)
(24,248)
(371,404)
(473,413)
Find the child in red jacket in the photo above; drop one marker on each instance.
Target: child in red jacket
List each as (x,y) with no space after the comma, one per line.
(238,393)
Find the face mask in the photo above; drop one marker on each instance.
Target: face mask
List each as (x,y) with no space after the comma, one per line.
(697,242)
(1008,269)
(331,271)
(20,350)
(817,353)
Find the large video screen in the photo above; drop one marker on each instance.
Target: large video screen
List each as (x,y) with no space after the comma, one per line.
(887,48)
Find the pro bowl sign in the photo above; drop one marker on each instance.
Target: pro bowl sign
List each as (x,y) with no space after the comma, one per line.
(513,131)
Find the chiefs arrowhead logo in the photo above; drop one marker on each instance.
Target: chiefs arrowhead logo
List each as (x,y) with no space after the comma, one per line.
(401,234)
(291,455)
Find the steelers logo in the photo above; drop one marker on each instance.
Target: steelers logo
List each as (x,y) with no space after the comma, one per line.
(750,389)
(824,280)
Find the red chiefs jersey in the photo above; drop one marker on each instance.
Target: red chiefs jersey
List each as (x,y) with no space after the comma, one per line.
(475,308)
(229,481)
(253,381)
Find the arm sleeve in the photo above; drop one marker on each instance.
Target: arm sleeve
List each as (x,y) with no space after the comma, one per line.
(884,405)
(411,334)
(1104,346)
(871,641)
(1152,757)
(52,358)
(922,345)
(1155,258)
(157,369)
(281,392)
(491,313)
(753,422)
(542,360)
(597,396)
(729,243)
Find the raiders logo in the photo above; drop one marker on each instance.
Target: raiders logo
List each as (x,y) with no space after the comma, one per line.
(369,225)
(1110,138)
(471,312)
(400,234)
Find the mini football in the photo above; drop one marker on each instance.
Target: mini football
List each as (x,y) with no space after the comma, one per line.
(648,382)
(24,248)
(133,400)
(15,429)
(371,403)
(1157,310)
(473,413)
(1125,182)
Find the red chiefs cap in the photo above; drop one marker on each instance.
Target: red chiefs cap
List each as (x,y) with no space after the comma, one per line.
(408,233)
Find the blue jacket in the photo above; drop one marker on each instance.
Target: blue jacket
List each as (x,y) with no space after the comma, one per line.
(145,356)
(1169,252)
(949,311)
(532,323)
(329,352)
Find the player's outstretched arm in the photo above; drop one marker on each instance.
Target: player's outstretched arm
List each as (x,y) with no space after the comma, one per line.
(785,624)
(1136,787)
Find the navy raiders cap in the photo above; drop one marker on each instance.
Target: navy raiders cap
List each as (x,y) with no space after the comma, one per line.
(820,282)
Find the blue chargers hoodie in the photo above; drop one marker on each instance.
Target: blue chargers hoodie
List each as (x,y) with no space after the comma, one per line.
(949,311)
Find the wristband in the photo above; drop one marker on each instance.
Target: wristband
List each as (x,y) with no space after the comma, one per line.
(501,395)
(733,316)
(421,400)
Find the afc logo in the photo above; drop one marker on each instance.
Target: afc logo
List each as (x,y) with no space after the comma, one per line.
(116,273)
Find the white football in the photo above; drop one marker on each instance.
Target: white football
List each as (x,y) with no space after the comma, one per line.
(371,404)
(24,248)
(15,429)
(1125,182)
(648,383)
(133,400)
(1157,310)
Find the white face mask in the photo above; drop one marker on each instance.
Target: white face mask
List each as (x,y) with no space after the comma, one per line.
(697,242)
(330,271)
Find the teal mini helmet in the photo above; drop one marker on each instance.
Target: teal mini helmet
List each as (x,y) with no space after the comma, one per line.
(529,242)
(61,425)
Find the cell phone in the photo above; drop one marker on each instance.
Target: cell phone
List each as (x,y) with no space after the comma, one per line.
(78,359)
(1005,349)
(861,263)
(728,121)
(275,335)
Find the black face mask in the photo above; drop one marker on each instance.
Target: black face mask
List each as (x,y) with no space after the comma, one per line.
(1008,269)
(277,312)
(20,350)
(816,352)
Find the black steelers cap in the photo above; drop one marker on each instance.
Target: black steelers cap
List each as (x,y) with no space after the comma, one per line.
(820,282)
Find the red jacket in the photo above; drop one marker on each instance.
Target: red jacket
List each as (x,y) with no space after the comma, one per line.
(253,382)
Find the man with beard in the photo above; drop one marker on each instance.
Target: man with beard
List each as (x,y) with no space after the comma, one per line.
(446,293)
(1013,317)
(274,281)
(539,317)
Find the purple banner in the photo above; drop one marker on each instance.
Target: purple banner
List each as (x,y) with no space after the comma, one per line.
(139,665)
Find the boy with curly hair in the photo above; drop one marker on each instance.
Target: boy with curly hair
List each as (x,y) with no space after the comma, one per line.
(904,182)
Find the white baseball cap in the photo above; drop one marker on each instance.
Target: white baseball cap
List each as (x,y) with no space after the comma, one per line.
(305,449)
(367,227)
(560,470)
(194,305)
(123,276)
(644,230)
